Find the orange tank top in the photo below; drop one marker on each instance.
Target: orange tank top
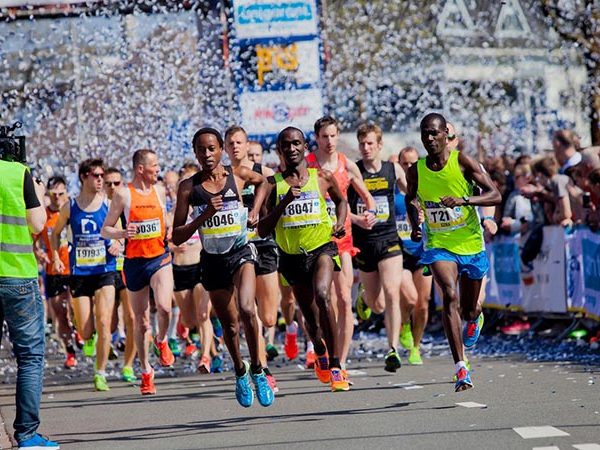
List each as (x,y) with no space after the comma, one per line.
(63,250)
(343,180)
(148,213)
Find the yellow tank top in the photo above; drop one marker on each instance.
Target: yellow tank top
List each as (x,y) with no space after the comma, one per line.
(455,229)
(305,224)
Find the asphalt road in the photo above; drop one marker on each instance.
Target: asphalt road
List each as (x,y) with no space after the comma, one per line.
(415,408)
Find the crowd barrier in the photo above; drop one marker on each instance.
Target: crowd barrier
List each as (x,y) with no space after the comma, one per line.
(563,279)
(565,276)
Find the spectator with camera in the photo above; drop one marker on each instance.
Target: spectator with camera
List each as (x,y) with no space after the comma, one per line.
(22,214)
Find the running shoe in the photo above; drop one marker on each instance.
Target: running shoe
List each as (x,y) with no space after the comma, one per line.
(311,356)
(100,382)
(291,345)
(89,346)
(243,391)
(79,342)
(216,365)
(362,310)
(338,381)
(174,346)
(322,369)
(128,375)
(516,328)
(463,380)
(264,393)
(147,387)
(190,349)
(346,377)
(272,352)
(468,364)
(39,442)
(165,355)
(217,327)
(182,331)
(392,361)
(71,361)
(472,330)
(406,337)
(272,382)
(204,365)
(414,357)
(112,354)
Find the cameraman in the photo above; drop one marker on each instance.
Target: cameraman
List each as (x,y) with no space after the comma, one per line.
(22,214)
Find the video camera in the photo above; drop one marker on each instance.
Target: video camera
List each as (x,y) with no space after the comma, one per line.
(12,148)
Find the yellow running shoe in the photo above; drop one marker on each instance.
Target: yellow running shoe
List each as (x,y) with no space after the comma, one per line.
(406,337)
(338,381)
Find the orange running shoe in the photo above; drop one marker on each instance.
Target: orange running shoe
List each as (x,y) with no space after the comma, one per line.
(165,357)
(310,359)
(322,369)
(345,375)
(291,345)
(190,349)
(71,361)
(147,387)
(338,381)
(204,365)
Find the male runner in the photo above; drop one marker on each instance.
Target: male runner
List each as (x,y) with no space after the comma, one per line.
(255,152)
(113,180)
(346,174)
(227,260)
(93,263)
(416,287)
(297,212)
(267,258)
(443,183)
(57,283)
(380,259)
(147,259)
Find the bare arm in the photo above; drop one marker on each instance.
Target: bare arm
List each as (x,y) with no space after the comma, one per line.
(409,200)
(341,204)
(36,217)
(267,224)
(400,177)
(116,208)
(63,218)
(260,193)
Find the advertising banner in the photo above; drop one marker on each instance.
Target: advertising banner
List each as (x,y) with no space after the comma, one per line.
(590,245)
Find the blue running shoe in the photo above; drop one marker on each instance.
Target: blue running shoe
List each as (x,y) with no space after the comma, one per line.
(38,442)
(243,389)
(472,330)
(216,365)
(463,380)
(264,393)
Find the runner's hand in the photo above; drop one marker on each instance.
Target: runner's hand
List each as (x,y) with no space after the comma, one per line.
(115,248)
(370,219)
(58,266)
(130,231)
(216,204)
(451,202)
(292,194)
(416,235)
(338,230)
(252,219)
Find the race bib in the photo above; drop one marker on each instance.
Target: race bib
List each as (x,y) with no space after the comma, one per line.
(303,211)
(225,223)
(404,229)
(331,211)
(147,229)
(383,208)
(89,254)
(442,219)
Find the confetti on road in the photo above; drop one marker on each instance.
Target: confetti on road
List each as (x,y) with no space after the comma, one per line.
(539,432)
(587,446)
(472,405)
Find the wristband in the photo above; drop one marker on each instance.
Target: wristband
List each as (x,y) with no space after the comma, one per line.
(484,218)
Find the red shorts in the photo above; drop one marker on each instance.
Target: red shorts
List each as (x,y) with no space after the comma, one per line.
(346,245)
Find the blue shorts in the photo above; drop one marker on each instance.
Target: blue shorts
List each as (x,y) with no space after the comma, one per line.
(138,271)
(474,266)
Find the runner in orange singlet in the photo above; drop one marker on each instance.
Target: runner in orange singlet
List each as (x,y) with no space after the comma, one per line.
(346,173)
(147,259)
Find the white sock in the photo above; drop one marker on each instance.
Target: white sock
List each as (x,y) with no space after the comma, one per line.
(292,328)
(101,372)
(154,324)
(172,331)
(459,364)
(310,347)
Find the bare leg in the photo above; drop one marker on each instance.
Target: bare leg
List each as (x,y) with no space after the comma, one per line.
(446,275)
(421,310)
(104,303)
(345,320)
(245,282)
(162,286)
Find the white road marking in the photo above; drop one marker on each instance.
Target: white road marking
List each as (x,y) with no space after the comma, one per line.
(472,405)
(539,432)
(587,446)
(546,448)
(416,386)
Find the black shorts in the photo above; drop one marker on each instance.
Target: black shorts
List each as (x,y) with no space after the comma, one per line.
(119,283)
(267,257)
(374,251)
(298,269)
(87,285)
(186,277)
(55,285)
(411,262)
(217,270)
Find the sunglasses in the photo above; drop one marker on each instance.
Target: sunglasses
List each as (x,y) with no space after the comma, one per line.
(96,174)
(112,183)
(57,194)
(451,137)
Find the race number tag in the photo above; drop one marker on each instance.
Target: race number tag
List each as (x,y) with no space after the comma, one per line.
(225,223)
(331,211)
(382,205)
(90,254)
(442,219)
(403,228)
(147,229)
(303,211)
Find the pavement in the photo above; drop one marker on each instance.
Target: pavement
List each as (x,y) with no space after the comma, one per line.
(516,404)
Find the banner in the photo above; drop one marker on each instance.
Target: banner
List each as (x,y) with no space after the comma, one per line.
(276,61)
(506,270)
(590,245)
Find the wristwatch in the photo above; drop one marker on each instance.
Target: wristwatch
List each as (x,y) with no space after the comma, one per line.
(466,199)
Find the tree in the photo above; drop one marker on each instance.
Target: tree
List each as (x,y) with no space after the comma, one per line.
(578,21)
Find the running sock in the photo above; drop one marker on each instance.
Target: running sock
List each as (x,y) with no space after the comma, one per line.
(70,349)
(320,348)
(153,323)
(241,371)
(101,372)
(256,369)
(292,328)
(460,364)
(172,331)
(267,371)
(334,363)
(310,347)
